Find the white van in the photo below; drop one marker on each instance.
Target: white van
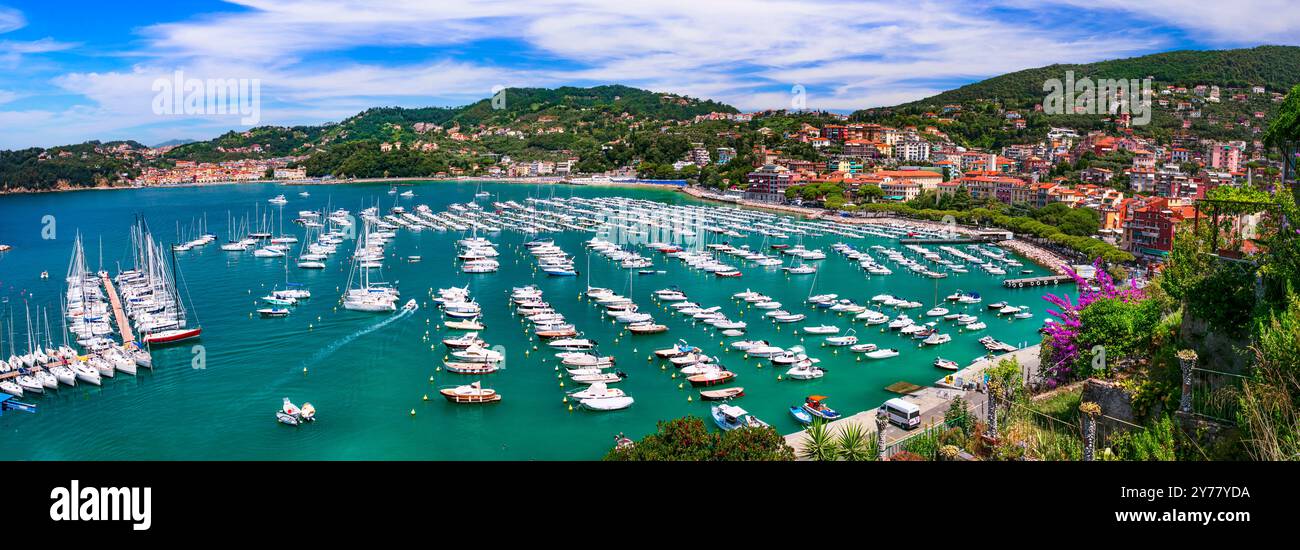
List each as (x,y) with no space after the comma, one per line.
(903,414)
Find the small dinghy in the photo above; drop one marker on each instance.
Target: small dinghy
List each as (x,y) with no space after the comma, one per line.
(289,413)
(863,348)
(945,364)
(722,394)
(801,415)
(307,413)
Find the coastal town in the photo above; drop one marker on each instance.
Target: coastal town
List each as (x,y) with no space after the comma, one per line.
(1139,187)
(973,198)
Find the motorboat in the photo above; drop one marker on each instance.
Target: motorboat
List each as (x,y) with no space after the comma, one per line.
(805,369)
(730,417)
(840,341)
(882,353)
(464,324)
(478,354)
(681,348)
(471,393)
(936,339)
(816,406)
(598,390)
(273,312)
(464,341)
(711,378)
(764,350)
(463,367)
(606,403)
(605,377)
(822,329)
(863,348)
(946,364)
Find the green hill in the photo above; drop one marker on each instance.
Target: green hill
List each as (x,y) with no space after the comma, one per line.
(1275,67)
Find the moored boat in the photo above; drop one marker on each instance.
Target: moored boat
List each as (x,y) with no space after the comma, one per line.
(470,393)
(722,394)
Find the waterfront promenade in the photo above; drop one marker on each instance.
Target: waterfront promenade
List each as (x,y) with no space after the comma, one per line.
(933,400)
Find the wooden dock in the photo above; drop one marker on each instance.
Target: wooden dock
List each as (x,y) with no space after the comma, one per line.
(123,324)
(1037,281)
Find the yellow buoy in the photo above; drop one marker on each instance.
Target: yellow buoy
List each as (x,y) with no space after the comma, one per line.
(426,397)
(412,412)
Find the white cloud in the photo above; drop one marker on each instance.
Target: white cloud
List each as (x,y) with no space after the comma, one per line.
(1236,23)
(849,53)
(11,20)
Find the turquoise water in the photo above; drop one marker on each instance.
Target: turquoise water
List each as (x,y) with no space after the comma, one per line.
(365,379)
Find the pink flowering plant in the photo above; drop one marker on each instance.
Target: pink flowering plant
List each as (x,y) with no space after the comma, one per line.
(1064,335)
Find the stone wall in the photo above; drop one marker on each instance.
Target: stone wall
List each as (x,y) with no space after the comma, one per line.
(1216,351)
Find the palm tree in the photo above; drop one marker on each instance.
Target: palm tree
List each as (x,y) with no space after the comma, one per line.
(852,443)
(819,446)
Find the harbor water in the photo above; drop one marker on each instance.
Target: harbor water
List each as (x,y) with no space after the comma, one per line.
(215,397)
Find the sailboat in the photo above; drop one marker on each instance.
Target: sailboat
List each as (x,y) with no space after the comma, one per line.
(152,293)
(367,297)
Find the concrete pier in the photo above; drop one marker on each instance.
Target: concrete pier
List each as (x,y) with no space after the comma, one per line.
(1037,281)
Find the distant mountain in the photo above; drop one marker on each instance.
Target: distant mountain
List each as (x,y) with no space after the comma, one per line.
(172,142)
(1275,67)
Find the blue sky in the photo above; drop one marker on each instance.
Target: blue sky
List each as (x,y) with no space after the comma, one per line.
(77,70)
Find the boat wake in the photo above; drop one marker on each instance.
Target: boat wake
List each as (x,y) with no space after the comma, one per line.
(334,346)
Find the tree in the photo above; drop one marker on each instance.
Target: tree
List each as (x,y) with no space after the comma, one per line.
(687,439)
(870,193)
